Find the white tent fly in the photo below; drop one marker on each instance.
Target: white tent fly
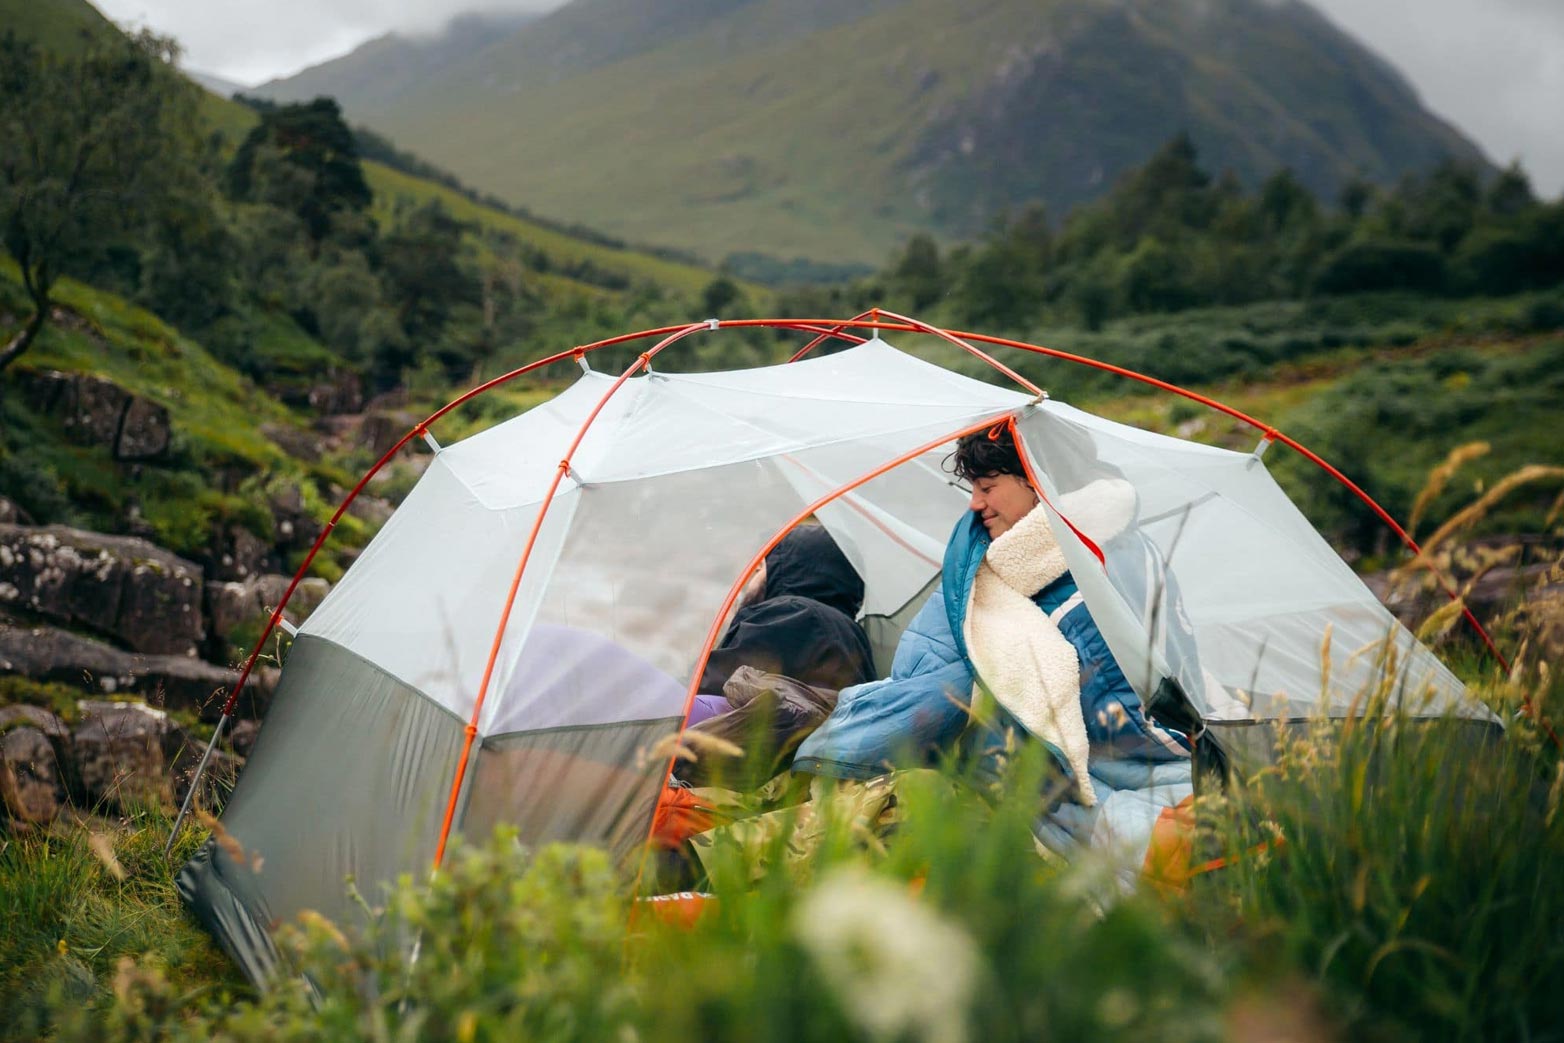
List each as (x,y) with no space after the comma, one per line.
(499,654)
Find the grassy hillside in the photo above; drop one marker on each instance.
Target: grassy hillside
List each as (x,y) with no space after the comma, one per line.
(57,25)
(833,131)
(396,189)
(221,462)
(393,188)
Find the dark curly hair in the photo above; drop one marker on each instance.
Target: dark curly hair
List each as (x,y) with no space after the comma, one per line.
(986,453)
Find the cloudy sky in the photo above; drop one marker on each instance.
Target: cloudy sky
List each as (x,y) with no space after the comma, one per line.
(1495,68)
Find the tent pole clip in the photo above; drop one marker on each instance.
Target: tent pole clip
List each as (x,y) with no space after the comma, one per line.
(712,324)
(428,436)
(292,631)
(1266,440)
(581,360)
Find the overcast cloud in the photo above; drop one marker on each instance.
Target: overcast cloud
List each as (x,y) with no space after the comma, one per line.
(1494,68)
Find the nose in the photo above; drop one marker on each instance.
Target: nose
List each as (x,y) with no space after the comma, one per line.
(975,501)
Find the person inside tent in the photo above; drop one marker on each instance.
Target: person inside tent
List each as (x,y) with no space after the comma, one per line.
(790,647)
(799,618)
(1006,643)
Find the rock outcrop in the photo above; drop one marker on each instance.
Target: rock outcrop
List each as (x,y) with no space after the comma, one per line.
(237,553)
(96,411)
(341,392)
(237,611)
(242,736)
(173,682)
(34,746)
(296,527)
(122,756)
(122,587)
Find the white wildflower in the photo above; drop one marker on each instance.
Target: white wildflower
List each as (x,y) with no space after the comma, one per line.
(898,968)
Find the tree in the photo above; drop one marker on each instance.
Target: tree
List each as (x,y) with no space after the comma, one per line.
(428,282)
(1154,277)
(1368,264)
(1442,206)
(86,146)
(720,295)
(1285,205)
(1356,196)
(302,158)
(1510,193)
(1170,193)
(186,267)
(918,273)
(1002,282)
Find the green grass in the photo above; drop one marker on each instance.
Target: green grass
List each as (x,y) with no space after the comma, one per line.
(393,188)
(1418,880)
(215,408)
(1414,895)
(58,699)
(220,466)
(228,118)
(215,417)
(75,906)
(57,25)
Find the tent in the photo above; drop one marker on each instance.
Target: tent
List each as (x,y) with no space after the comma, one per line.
(530,621)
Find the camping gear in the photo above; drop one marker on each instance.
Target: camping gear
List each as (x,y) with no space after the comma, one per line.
(531,623)
(770,715)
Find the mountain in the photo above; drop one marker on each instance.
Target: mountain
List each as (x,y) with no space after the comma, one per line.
(832,129)
(391,64)
(219,86)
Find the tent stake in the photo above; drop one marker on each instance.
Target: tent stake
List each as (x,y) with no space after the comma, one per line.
(195,781)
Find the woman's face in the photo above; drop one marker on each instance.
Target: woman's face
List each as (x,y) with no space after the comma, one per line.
(1001,500)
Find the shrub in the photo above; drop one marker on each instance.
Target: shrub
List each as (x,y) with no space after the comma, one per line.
(1382,264)
(1417,876)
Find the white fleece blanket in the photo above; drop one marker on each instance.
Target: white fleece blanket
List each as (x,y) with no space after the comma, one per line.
(1029,666)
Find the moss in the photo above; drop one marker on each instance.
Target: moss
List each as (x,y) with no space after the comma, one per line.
(59,699)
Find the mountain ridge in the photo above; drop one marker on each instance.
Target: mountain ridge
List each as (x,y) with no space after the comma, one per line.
(837,130)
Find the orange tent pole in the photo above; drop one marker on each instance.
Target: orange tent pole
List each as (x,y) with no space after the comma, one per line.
(738,585)
(825,328)
(959,341)
(1267,431)
(644,361)
(422,427)
(835,331)
(419,429)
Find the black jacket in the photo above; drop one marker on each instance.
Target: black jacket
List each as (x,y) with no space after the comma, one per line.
(802,626)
